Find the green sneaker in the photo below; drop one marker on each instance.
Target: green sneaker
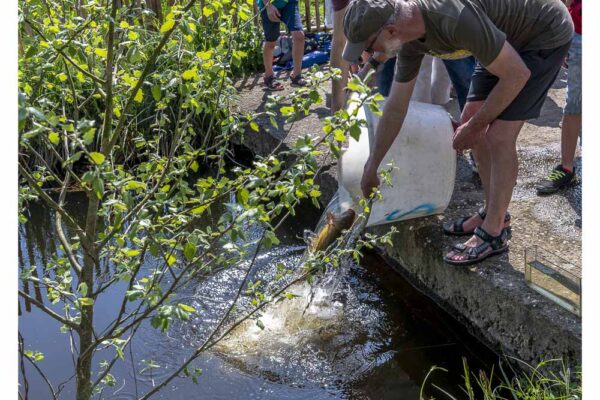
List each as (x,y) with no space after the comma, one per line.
(558,179)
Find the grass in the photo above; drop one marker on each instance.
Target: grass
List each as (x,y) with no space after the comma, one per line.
(527,383)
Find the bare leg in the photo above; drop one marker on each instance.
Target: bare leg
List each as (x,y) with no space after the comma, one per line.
(297,52)
(571,127)
(501,137)
(337,46)
(482,153)
(268,48)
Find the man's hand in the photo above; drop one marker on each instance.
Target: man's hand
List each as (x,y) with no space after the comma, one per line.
(465,137)
(273,13)
(370,180)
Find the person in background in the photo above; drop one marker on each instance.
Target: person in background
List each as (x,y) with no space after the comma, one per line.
(272,13)
(338,97)
(564,174)
(459,71)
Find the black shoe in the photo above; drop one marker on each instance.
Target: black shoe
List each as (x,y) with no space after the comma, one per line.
(558,179)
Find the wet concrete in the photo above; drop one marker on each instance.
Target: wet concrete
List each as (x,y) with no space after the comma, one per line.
(491,299)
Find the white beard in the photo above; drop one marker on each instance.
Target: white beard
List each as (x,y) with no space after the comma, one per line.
(392,46)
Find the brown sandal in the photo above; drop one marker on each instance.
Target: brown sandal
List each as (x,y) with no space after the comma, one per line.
(456,228)
(298,81)
(491,245)
(271,84)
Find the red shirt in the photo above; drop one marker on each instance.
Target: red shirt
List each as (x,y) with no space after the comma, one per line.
(575,11)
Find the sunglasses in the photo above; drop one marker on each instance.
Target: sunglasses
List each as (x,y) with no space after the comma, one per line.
(369,48)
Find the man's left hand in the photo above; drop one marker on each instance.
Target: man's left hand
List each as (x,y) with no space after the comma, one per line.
(466,137)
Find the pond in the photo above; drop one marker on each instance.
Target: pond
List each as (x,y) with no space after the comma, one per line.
(373,336)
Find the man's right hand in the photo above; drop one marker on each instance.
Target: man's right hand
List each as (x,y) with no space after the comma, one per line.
(273,13)
(370,180)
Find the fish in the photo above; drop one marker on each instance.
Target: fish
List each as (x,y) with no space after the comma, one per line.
(330,232)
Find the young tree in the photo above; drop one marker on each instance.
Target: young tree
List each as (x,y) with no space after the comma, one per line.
(131,116)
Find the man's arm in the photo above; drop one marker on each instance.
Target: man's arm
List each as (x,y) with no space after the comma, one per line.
(513,74)
(379,57)
(388,128)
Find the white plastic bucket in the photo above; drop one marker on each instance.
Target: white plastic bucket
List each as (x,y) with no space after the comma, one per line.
(423,182)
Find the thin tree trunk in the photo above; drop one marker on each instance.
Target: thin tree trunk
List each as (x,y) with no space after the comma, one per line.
(86,332)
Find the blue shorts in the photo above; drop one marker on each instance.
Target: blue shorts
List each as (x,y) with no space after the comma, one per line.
(573,105)
(290,16)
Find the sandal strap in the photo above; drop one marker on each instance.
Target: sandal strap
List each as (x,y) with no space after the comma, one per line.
(495,241)
(458,225)
(483,213)
(270,82)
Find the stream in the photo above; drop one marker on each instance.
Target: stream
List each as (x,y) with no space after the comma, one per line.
(371,336)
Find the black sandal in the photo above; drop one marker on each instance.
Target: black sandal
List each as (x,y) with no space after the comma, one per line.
(495,245)
(271,84)
(297,81)
(457,226)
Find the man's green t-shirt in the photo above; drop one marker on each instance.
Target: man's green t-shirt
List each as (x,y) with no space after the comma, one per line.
(279,4)
(459,28)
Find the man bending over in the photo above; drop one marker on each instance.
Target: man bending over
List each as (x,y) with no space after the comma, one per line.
(519,46)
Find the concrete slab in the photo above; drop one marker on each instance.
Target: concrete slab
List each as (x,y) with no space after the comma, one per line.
(491,298)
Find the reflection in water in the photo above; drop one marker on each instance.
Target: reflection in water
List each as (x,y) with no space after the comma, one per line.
(370,336)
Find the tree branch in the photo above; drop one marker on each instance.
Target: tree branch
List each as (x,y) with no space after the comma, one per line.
(44,377)
(48,311)
(48,200)
(64,55)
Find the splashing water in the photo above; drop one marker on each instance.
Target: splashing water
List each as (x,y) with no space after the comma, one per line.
(314,314)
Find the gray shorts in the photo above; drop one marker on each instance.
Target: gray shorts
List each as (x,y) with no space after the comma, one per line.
(544,66)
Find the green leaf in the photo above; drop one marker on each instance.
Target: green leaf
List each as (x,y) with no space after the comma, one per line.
(97,158)
(189,74)
(204,55)
(83,289)
(101,53)
(355,132)
(98,186)
(133,252)
(189,251)
(243,196)
(156,94)
(207,11)
(254,126)
(171,260)
(260,324)
(88,136)
(353,86)
(167,26)
(85,301)
(53,138)
(194,166)
(338,135)
(286,110)
(199,210)
(133,295)
(133,185)
(139,96)
(186,308)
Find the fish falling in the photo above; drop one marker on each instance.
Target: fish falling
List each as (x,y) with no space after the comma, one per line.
(330,232)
